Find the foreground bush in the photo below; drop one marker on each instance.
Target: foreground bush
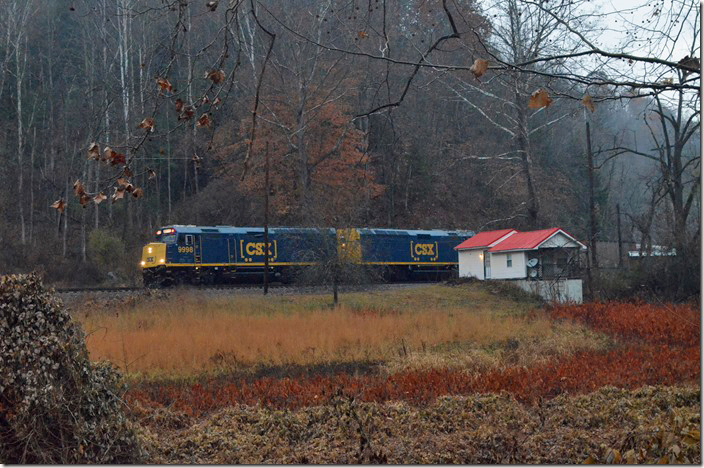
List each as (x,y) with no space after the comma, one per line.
(651,424)
(55,406)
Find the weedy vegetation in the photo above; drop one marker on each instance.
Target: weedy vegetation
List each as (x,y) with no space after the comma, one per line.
(463,373)
(426,327)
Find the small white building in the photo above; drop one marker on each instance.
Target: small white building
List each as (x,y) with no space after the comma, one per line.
(540,261)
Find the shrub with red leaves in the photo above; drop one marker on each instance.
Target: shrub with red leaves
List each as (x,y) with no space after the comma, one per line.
(582,373)
(673,324)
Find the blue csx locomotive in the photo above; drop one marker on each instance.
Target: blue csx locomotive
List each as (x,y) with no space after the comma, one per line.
(214,254)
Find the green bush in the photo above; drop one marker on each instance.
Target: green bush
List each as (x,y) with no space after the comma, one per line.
(106,251)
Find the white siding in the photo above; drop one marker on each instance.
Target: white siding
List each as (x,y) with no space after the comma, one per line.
(499,270)
(559,240)
(471,264)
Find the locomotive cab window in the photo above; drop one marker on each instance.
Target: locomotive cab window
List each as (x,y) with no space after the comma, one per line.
(189,239)
(168,238)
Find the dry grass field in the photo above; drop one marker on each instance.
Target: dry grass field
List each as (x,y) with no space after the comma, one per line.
(190,333)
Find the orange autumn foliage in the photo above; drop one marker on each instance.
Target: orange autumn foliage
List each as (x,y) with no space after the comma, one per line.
(323,160)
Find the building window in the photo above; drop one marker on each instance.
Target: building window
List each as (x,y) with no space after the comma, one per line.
(509,261)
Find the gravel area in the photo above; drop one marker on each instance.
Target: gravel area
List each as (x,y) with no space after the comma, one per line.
(75,296)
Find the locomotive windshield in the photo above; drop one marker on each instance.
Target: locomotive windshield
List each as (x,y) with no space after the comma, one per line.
(167,236)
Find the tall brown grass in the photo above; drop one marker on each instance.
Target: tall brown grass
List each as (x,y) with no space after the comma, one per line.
(189,334)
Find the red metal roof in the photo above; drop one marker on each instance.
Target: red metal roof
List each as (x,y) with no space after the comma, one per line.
(484,239)
(524,240)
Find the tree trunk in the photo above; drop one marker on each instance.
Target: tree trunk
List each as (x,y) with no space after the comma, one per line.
(526,160)
(83,219)
(123,50)
(31,186)
(20,63)
(620,240)
(106,102)
(168,164)
(64,235)
(593,222)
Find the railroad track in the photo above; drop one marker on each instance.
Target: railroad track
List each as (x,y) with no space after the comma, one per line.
(179,288)
(87,290)
(248,288)
(279,288)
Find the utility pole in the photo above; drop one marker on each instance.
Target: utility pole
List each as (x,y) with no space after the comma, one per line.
(593,223)
(266,219)
(592,215)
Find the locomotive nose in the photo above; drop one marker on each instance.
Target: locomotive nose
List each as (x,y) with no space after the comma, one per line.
(153,254)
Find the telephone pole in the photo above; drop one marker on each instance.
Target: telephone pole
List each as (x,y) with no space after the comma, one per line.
(266,219)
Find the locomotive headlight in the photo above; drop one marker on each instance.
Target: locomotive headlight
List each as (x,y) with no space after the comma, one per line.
(149,249)
(161,260)
(143,263)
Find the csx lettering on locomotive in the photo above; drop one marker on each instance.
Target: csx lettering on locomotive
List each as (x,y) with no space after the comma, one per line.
(424,249)
(257,248)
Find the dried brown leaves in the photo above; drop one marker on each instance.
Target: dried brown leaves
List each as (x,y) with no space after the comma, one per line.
(147,124)
(539,99)
(94,151)
(216,76)
(164,84)
(479,67)
(59,205)
(113,157)
(203,121)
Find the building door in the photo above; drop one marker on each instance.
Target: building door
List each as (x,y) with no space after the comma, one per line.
(487,265)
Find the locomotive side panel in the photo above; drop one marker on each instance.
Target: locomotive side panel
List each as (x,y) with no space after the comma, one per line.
(213,248)
(385,248)
(286,247)
(395,247)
